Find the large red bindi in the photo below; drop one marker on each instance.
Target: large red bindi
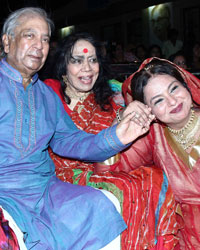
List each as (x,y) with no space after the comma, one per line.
(85,50)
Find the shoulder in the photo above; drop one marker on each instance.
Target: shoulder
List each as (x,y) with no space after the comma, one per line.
(53,83)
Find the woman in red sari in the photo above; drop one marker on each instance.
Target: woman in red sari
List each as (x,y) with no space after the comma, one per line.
(172,143)
(81,81)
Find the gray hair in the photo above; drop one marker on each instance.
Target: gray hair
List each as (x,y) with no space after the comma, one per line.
(12,22)
(13,19)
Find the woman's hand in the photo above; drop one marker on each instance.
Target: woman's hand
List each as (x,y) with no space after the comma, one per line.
(136,120)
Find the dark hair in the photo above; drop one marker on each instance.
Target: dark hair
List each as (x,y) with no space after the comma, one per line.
(154,46)
(178,53)
(138,47)
(155,67)
(102,90)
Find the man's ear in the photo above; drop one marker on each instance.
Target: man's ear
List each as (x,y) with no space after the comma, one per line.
(6,43)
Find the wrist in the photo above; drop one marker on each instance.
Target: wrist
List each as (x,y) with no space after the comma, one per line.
(119,115)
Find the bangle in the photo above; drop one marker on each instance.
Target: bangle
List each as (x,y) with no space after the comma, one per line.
(110,161)
(118,116)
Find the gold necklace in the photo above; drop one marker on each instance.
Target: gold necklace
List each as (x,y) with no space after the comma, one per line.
(186,135)
(73,95)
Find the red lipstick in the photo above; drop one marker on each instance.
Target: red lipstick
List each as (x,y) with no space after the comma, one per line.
(177,109)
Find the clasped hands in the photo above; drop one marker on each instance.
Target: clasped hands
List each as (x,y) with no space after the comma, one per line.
(135,121)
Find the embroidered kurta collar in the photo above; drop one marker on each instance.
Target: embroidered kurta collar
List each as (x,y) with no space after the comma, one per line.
(13,74)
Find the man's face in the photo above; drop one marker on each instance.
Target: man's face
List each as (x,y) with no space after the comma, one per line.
(28,50)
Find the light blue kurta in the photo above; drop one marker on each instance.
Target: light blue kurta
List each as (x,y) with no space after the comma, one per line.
(52,214)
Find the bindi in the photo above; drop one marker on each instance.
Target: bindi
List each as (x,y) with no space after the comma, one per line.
(85,50)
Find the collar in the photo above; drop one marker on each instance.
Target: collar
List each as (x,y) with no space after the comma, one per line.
(12,73)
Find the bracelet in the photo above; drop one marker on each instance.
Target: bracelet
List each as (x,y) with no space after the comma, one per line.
(110,161)
(118,116)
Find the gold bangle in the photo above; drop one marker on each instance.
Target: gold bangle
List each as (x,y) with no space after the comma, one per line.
(112,160)
(118,116)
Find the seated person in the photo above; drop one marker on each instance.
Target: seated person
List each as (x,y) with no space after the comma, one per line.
(179,59)
(194,56)
(81,81)
(172,143)
(49,213)
(140,53)
(173,44)
(155,51)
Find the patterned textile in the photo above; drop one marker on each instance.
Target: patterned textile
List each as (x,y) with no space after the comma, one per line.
(158,148)
(147,203)
(43,207)
(8,239)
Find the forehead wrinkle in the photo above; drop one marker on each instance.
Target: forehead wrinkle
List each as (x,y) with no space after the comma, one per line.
(20,27)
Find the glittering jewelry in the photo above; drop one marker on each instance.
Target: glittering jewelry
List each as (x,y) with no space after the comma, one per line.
(148,67)
(186,135)
(118,115)
(72,94)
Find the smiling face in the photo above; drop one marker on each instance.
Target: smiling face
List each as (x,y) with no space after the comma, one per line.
(83,67)
(169,100)
(28,50)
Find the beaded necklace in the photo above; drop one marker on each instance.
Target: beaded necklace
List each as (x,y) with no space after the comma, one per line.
(75,96)
(186,135)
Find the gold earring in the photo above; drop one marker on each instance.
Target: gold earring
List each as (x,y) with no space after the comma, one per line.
(65,79)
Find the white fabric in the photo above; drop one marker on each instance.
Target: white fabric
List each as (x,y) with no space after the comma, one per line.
(15,228)
(115,244)
(170,49)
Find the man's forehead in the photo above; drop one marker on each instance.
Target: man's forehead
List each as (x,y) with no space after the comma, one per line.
(32,22)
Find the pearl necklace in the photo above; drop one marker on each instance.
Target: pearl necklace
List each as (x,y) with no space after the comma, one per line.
(186,135)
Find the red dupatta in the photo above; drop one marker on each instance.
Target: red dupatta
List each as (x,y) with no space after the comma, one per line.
(192,81)
(194,85)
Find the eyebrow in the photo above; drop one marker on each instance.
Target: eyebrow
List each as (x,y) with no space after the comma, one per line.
(159,94)
(34,31)
(82,57)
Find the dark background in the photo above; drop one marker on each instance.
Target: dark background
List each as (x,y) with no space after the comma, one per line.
(95,9)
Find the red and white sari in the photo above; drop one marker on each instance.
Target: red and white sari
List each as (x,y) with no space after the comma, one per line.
(147,203)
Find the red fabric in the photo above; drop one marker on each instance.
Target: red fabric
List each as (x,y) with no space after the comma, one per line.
(190,234)
(56,86)
(192,81)
(154,148)
(138,191)
(8,239)
(159,245)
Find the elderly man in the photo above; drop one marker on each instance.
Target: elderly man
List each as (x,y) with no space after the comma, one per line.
(50,213)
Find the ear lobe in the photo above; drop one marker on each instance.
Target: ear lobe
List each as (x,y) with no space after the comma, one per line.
(6,43)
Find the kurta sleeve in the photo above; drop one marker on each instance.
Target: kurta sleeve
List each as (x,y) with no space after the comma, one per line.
(69,141)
